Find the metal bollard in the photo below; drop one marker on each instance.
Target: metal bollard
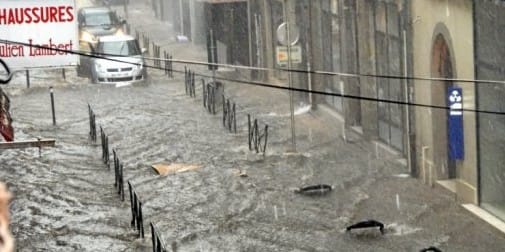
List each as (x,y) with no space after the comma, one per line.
(136,207)
(52,104)
(225,112)
(234,119)
(204,94)
(158,244)
(171,68)
(27,79)
(193,85)
(249,131)
(256,135)
(121,183)
(63,73)
(165,66)
(265,134)
(92,124)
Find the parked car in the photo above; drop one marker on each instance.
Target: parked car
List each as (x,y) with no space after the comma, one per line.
(119,59)
(98,21)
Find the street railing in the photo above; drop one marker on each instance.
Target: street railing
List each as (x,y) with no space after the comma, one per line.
(118,175)
(156,55)
(105,147)
(136,207)
(158,243)
(229,115)
(92,124)
(168,64)
(257,139)
(189,82)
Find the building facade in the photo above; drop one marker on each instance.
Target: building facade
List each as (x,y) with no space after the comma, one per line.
(443,48)
(490,65)
(417,42)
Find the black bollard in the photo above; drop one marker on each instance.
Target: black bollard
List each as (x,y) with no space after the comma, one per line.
(234,119)
(52,104)
(225,114)
(266,139)
(27,78)
(204,94)
(249,130)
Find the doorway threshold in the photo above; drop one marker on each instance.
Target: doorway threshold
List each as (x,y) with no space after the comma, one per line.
(449,184)
(486,216)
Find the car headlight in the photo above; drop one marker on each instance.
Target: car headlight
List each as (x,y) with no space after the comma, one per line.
(137,66)
(99,67)
(119,32)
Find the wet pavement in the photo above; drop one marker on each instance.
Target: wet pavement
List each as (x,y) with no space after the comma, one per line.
(65,200)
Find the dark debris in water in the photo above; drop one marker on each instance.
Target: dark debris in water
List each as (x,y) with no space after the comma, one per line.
(367,224)
(314,190)
(431,249)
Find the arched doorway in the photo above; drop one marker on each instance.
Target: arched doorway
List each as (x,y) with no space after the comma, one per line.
(441,67)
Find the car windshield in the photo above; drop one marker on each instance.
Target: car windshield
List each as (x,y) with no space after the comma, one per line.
(99,18)
(123,48)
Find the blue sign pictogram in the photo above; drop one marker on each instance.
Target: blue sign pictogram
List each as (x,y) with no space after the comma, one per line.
(455,124)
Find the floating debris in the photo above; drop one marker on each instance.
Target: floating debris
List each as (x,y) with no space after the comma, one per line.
(431,249)
(240,173)
(164,169)
(367,224)
(314,189)
(402,175)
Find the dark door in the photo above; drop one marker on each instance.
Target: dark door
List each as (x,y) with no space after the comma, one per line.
(441,68)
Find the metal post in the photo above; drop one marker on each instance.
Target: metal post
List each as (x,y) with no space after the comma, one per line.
(407,108)
(266,140)
(309,70)
(204,94)
(249,130)
(249,31)
(63,73)
(171,67)
(141,222)
(130,189)
(213,47)
(153,238)
(162,10)
(234,120)
(125,8)
(27,78)
(181,13)
(224,112)
(291,106)
(52,104)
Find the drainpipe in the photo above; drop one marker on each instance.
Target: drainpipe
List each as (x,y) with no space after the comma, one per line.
(249,30)
(476,91)
(407,110)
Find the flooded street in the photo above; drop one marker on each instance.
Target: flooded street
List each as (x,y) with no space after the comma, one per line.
(65,199)
(236,199)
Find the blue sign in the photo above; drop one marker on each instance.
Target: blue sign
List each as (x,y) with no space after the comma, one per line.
(455,124)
